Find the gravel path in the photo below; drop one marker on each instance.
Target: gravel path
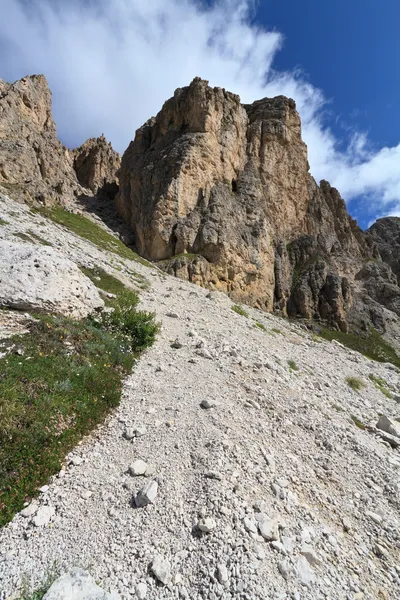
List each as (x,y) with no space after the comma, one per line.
(265,487)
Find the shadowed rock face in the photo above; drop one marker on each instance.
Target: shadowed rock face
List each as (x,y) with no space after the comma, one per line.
(221,194)
(34,165)
(386,234)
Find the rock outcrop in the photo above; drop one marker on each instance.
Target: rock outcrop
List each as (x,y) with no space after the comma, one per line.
(40,279)
(34,165)
(386,234)
(220,193)
(96,164)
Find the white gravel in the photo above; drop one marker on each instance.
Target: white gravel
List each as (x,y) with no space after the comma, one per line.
(287,462)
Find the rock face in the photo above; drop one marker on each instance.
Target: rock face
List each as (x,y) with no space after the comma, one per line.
(34,164)
(96,165)
(386,234)
(37,278)
(221,194)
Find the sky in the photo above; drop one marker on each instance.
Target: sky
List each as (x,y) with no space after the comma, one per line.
(112,63)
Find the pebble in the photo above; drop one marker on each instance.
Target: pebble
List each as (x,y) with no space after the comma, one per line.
(222,574)
(269,529)
(147,494)
(139,467)
(43,516)
(30,510)
(141,591)
(161,569)
(207,525)
(208,404)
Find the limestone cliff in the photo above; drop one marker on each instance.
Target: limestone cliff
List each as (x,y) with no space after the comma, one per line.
(220,193)
(34,165)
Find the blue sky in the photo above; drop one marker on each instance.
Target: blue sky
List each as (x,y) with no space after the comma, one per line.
(112,63)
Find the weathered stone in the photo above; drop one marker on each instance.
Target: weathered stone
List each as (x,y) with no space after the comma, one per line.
(389,426)
(77,585)
(206,525)
(139,467)
(43,516)
(269,529)
(161,569)
(147,495)
(40,278)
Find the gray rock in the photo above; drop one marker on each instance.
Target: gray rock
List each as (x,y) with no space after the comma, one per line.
(208,403)
(269,529)
(284,569)
(147,495)
(141,590)
(139,467)
(222,574)
(388,426)
(43,516)
(77,585)
(56,284)
(304,571)
(30,510)
(161,569)
(208,524)
(310,555)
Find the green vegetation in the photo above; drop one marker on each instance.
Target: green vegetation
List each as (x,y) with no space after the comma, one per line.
(357,422)
(107,283)
(292,365)
(39,593)
(260,326)
(355,383)
(66,376)
(337,407)
(89,230)
(3,222)
(240,310)
(32,238)
(275,330)
(372,344)
(381,385)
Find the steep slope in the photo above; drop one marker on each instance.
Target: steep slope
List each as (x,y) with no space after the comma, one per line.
(272,479)
(386,234)
(34,164)
(230,184)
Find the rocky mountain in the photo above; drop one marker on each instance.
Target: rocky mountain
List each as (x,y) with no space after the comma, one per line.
(220,193)
(386,234)
(34,165)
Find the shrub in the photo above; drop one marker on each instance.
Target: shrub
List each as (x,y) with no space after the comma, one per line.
(355,383)
(292,365)
(240,310)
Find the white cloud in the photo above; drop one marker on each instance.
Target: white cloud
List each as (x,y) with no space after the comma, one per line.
(112,63)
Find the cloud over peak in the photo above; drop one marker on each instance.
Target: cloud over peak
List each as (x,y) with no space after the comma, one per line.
(112,63)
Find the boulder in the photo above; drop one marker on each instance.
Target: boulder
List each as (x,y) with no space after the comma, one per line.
(77,585)
(38,278)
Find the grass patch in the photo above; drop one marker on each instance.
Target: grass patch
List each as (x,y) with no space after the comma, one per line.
(260,326)
(275,330)
(68,378)
(240,310)
(355,383)
(32,238)
(292,365)
(3,222)
(372,344)
(381,385)
(337,407)
(92,232)
(357,422)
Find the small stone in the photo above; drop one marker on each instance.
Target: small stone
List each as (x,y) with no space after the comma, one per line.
(150,471)
(310,555)
(76,461)
(161,569)
(346,524)
(207,404)
(213,475)
(141,591)
(222,574)
(43,516)
(388,426)
(269,529)
(30,510)
(284,569)
(259,551)
(140,431)
(177,344)
(86,495)
(139,467)
(278,546)
(304,571)
(147,495)
(172,315)
(206,525)
(374,516)
(129,433)
(44,489)
(359,596)
(250,525)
